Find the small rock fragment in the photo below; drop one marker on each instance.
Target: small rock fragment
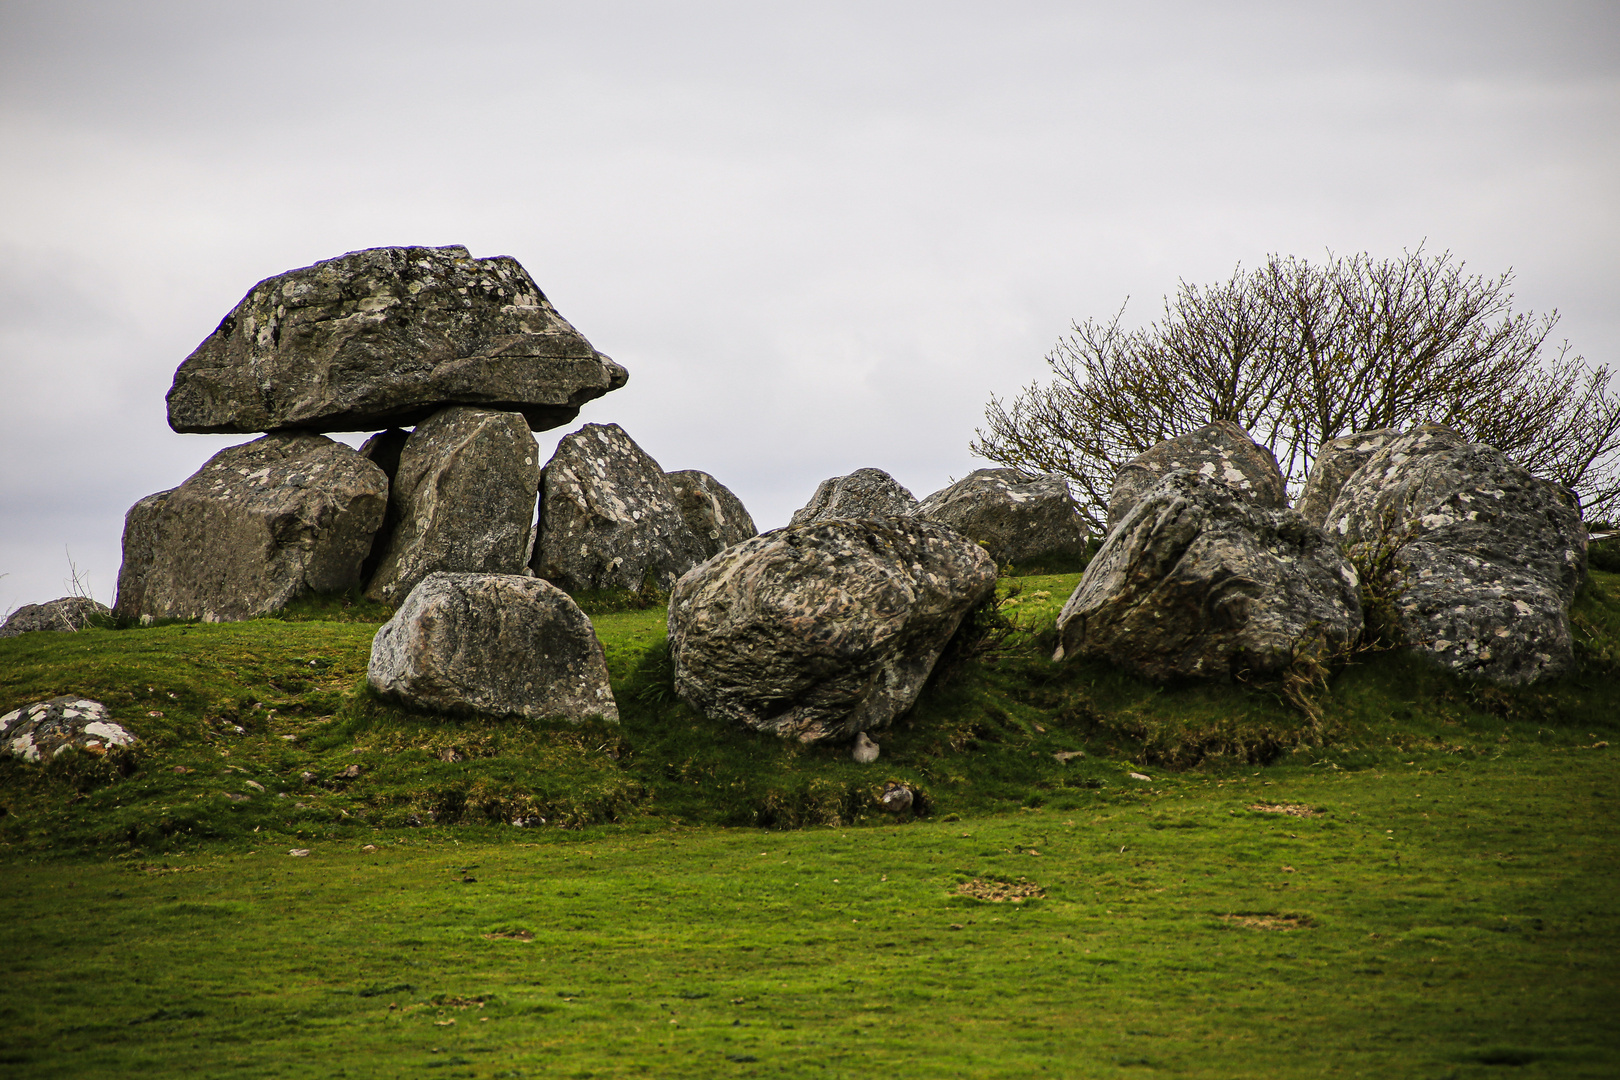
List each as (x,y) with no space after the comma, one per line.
(866,751)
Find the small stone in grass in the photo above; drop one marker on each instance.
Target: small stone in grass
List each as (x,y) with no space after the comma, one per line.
(299,852)
(1139,776)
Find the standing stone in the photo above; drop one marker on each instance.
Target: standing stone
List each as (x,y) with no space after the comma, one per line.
(389,336)
(1487,556)
(864,493)
(1220,451)
(1015,517)
(383,450)
(47,729)
(68,613)
(1196,580)
(608,516)
(820,631)
(255,527)
(716,517)
(1335,461)
(492,645)
(462,498)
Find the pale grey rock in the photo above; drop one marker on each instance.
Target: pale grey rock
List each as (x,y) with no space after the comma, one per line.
(864,493)
(608,516)
(388,336)
(714,515)
(866,751)
(67,613)
(1488,557)
(1335,461)
(1196,580)
(897,797)
(1219,451)
(47,729)
(462,500)
(822,630)
(1014,517)
(492,645)
(255,527)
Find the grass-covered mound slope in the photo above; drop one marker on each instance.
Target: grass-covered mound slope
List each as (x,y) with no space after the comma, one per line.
(265,732)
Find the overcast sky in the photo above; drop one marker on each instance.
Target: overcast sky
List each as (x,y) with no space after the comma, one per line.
(820,236)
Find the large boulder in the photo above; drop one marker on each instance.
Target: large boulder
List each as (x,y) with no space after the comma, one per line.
(388,336)
(1486,558)
(864,493)
(67,613)
(1335,461)
(820,631)
(492,645)
(608,516)
(462,499)
(47,729)
(1015,517)
(258,525)
(1219,451)
(1196,580)
(714,515)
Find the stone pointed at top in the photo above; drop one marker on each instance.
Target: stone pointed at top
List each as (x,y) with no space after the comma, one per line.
(387,337)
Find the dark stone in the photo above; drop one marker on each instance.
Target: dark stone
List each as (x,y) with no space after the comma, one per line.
(1220,451)
(1335,461)
(864,493)
(1014,517)
(714,515)
(41,731)
(492,645)
(257,526)
(1196,580)
(68,613)
(822,630)
(388,337)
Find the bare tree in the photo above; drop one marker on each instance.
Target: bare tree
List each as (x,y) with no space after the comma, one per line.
(1297,354)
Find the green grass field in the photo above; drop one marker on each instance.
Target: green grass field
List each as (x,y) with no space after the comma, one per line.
(1389,874)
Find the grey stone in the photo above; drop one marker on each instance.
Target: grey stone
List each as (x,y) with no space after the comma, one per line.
(1335,461)
(1487,557)
(1015,517)
(714,515)
(492,645)
(1220,451)
(608,516)
(896,798)
(255,527)
(866,751)
(67,613)
(864,493)
(462,499)
(47,729)
(822,630)
(383,450)
(1196,580)
(388,336)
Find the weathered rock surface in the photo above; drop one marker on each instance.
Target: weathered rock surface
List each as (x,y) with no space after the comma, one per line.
(1220,451)
(822,630)
(714,515)
(866,751)
(1015,517)
(608,516)
(41,731)
(864,493)
(67,613)
(1335,461)
(1196,580)
(462,500)
(383,450)
(259,524)
(1488,557)
(388,336)
(492,645)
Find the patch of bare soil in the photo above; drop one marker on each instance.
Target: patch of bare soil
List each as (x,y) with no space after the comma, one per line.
(998,892)
(1289,808)
(1269,922)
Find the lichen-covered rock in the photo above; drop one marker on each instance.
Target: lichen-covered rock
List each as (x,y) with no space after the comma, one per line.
(1015,517)
(492,645)
(462,499)
(388,336)
(1487,557)
(1219,451)
(255,527)
(67,613)
(714,515)
(1335,461)
(822,630)
(864,493)
(1196,580)
(608,516)
(45,729)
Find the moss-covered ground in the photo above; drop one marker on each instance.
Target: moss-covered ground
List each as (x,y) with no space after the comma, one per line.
(1376,871)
